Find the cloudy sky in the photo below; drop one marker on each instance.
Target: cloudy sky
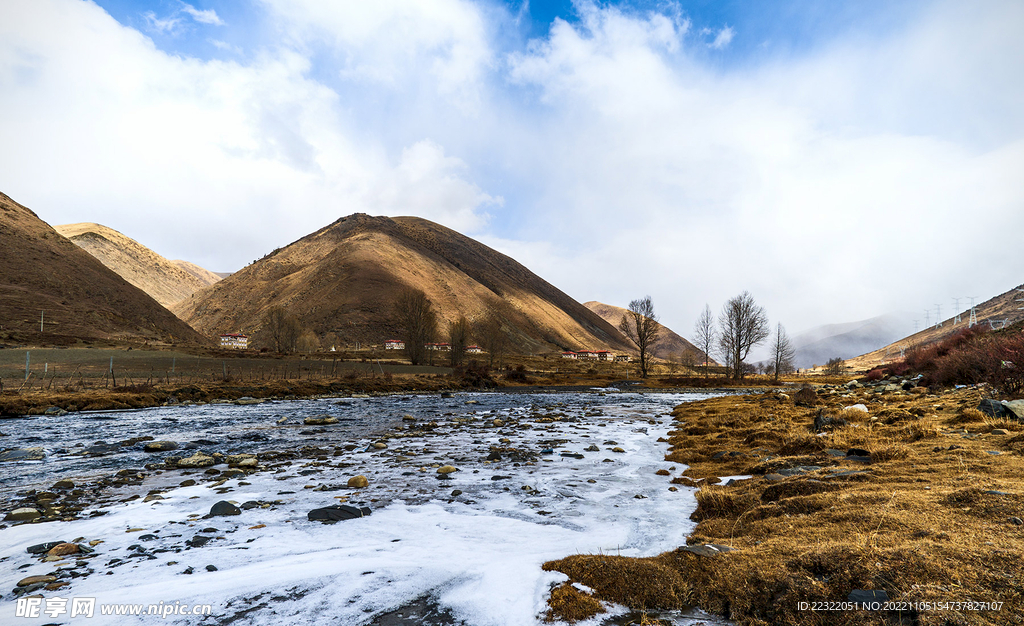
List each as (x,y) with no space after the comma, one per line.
(839,160)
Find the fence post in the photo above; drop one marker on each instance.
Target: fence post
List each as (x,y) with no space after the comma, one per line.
(26,364)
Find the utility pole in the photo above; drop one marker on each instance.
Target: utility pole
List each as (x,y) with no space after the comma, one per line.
(41,320)
(974,315)
(26,365)
(1020,291)
(956,310)
(938,316)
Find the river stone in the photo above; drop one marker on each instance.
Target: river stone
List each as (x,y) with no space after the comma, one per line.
(447,469)
(63,484)
(250,463)
(247,400)
(54,411)
(337,513)
(63,549)
(23,454)
(618,449)
(32,580)
(42,548)
(358,482)
(159,446)
(708,549)
(380,445)
(320,420)
(23,514)
(197,460)
(996,409)
(408,418)
(223,508)
(235,459)
(856,407)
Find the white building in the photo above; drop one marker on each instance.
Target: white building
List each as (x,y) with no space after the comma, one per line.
(236,341)
(394,344)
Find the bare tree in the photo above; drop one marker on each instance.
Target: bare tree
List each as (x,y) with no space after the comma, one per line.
(282,328)
(640,324)
(835,366)
(414,315)
(458,334)
(308,342)
(705,335)
(742,325)
(782,352)
(492,338)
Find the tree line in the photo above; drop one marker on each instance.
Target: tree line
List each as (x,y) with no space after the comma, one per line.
(742,325)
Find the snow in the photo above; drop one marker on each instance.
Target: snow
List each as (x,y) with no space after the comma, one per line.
(478,554)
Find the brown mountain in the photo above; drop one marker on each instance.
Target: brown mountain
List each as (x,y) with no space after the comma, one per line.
(204,275)
(166,281)
(40,270)
(1006,308)
(344,278)
(668,345)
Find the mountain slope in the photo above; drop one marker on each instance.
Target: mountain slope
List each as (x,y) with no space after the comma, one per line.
(82,298)
(344,278)
(164,280)
(204,275)
(1006,308)
(668,346)
(818,345)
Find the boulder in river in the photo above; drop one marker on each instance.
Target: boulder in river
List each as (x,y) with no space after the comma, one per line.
(337,513)
(358,482)
(320,420)
(197,460)
(24,514)
(160,446)
(23,454)
(43,548)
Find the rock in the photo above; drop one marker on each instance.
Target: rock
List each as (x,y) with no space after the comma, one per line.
(1000,431)
(198,541)
(1016,407)
(498,423)
(456,493)
(153,497)
(42,548)
(32,580)
(188,482)
(868,596)
(996,409)
(856,407)
(618,450)
(197,460)
(224,508)
(24,514)
(54,411)
(707,549)
(320,420)
(1016,521)
(358,482)
(235,459)
(247,400)
(337,513)
(23,454)
(63,549)
(824,422)
(160,446)
(592,448)
(63,484)
(248,463)
(380,445)
(408,418)
(213,568)
(447,469)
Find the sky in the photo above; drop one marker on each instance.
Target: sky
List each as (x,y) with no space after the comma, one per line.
(837,160)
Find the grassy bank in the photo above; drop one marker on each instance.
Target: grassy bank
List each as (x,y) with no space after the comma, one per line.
(928,509)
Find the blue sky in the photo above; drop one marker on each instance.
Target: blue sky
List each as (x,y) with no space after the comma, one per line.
(816,154)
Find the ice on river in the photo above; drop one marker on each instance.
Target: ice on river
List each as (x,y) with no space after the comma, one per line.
(476,555)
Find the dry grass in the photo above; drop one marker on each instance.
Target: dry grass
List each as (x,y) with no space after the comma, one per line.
(930,519)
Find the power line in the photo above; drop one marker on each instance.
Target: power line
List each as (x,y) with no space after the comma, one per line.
(956,309)
(974,314)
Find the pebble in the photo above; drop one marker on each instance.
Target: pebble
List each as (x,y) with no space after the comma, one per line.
(447,469)
(159,446)
(32,580)
(224,508)
(62,549)
(23,514)
(358,482)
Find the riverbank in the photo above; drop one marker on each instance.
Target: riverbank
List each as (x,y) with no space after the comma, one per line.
(912,497)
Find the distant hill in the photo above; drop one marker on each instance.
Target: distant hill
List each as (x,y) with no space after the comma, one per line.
(344,279)
(40,270)
(166,281)
(992,313)
(818,345)
(669,345)
(204,275)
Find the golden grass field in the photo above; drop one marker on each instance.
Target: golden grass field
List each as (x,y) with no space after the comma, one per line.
(935,517)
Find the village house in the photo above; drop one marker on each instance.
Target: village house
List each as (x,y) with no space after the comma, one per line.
(394,344)
(622,358)
(442,347)
(235,341)
(568,355)
(589,355)
(603,355)
(474,350)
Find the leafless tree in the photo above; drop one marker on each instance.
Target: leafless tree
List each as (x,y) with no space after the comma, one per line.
(308,342)
(835,366)
(282,328)
(492,338)
(705,335)
(458,334)
(415,316)
(742,325)
(640,324)
(782,352)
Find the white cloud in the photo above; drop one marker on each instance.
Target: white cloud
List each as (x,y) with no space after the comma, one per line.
(206,16)
(723,38)
(162,25)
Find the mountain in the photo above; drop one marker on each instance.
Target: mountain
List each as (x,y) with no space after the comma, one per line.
(818,345)
(40,270)
(668,345)
(166,281)
(1004,309)
(204,275)
(344,279)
